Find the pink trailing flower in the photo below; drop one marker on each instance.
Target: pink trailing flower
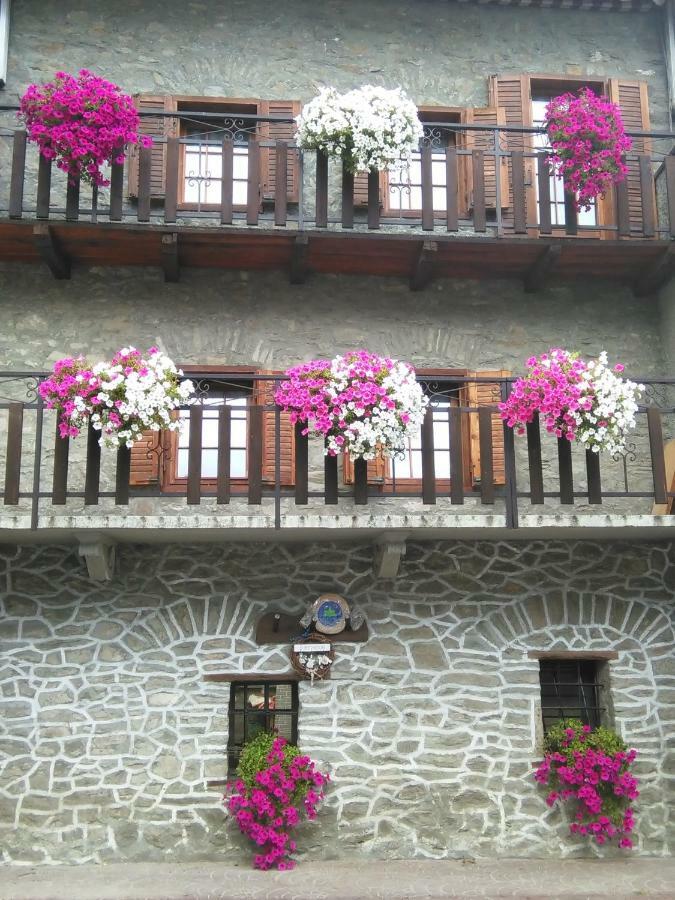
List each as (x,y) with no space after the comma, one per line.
(592,769)
(267,798)
(361,403)
(83,122)
(588,140)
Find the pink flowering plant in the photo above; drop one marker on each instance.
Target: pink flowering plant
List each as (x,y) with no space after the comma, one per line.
(591,769)
(588,140)
(121,398)
(275,784)
(580,400)
(83,122)
(360,403)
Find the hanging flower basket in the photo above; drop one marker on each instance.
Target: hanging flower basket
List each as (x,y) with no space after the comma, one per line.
(591,768)
(275,784)
(121,398)
(369,128)
(83,122)
(360,403)
(576,400)
(588,140)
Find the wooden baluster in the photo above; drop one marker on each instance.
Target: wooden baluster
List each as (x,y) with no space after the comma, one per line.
(657,451)
(456,457)
(223,489)
(122,476)
(255,454)
(428,458)
(360,482)
(373,199)
(226,184)
(593,477)
(171,189)
(92,474)
(565,471)
(301,464)
(73,200)
(194,476)
(451,190)
(116,187)
(487,478)
(647,196)
(280,186)
(13,455)
(478,169)
(44,185)
(18,175)
(518,190)
(347,197)
(534,461)
(544,185)
(253,187)
(427,189)
(330,487)
(321,189)
(60,477)
(144,183)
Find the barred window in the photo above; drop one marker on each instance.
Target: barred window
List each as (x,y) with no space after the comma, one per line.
(570,689)
(260,706)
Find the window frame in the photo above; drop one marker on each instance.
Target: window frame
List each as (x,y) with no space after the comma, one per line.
(425,113)
(594,712)
(251,681)
(181,103)
(170,482)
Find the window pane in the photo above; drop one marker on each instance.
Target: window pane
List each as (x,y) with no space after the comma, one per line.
(238,464)
(182,463)
(209,463)
(442,463)
(283,725)
(238,431)
(209,430)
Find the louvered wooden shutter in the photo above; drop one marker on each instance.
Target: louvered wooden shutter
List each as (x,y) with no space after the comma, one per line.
(484,140)
(158,127)
(632,99)
(263,395)
(279,131)
(486,394)
(512,94)
(379,470)
(145,460)
(361,189)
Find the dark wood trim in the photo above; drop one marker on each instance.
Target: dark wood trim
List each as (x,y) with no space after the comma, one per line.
(573,654)
(423,268)
(542,268)
(169,257)
(51,252)
(253,677)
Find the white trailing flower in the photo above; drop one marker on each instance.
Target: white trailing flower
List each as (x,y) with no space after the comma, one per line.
(368,127)
(603,427)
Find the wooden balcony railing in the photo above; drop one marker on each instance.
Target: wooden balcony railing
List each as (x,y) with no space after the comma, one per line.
(475,184)
(465,459)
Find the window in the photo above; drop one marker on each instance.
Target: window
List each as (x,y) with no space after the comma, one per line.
(542,93)
(257,706)
(570,689)
(201,169)
(403,193)
(410,467)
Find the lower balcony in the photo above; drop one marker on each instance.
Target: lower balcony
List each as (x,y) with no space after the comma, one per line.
(238,469)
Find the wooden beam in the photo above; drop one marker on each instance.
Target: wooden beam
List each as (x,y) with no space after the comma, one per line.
(657,274)
(541,269)
(423,268)
(169,257)
(299,259)
(51,251)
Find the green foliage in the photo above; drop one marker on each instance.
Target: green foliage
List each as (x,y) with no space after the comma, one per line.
(253,759)
(601,738)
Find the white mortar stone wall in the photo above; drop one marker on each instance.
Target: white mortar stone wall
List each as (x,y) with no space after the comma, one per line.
(430,729)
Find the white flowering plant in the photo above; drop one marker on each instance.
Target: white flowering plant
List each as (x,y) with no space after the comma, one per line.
(121,398)
(580,400)
(368,128)
(360,403)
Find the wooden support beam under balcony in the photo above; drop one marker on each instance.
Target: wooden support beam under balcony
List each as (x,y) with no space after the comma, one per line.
(299,253)
(51,251)
(169,257)
(656,274)
(542,268)
(423,268)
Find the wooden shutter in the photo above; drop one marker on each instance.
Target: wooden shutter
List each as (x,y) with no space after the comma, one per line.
(379,470)
(631,97)
(279,131)
(361,189)
(486,394)
(145,460)
(263,395)
(484,140)
(157,127)
(512,93)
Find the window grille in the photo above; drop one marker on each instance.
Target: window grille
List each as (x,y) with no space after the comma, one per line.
(570,690)
(260,706)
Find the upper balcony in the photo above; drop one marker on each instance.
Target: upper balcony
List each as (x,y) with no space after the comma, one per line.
(238,469)
(477,202)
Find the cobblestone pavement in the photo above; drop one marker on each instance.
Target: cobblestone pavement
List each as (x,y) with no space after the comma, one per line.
(393,880)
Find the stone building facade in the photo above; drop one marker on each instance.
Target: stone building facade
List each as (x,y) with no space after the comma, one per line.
(110,729)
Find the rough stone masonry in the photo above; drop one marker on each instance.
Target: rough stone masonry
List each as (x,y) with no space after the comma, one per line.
(430,729)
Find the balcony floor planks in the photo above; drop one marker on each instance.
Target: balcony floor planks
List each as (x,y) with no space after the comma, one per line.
(357,252)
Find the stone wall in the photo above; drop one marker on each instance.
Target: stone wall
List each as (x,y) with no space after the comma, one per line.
(430,728)
(440,52)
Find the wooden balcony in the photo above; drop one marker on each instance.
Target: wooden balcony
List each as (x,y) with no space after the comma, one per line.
(484,212)
(465,475)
